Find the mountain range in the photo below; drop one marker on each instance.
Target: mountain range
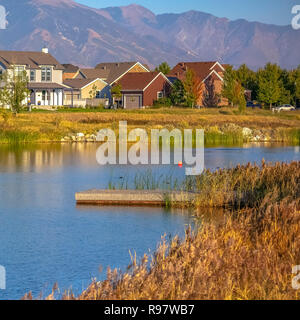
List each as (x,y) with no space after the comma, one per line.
(85,36)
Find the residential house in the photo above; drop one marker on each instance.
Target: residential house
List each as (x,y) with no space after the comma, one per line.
(110,73)
(116,70)
(70,71)
(91,73)
(204,71)
(79,91)
(44,72)
(143,88)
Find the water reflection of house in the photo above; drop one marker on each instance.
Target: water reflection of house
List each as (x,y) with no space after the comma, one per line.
(47,156)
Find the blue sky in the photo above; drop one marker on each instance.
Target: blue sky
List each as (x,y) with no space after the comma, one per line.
(268,11)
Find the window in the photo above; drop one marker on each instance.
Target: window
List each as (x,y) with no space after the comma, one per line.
(160,95)
(32,75)
(46,74)
(45,95)
(19,70)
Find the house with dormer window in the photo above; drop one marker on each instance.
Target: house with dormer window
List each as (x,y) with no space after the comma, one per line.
(44,73)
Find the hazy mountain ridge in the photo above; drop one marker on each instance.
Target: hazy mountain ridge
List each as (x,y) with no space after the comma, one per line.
(86,36)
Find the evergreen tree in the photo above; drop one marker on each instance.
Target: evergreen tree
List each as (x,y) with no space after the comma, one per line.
(177,95)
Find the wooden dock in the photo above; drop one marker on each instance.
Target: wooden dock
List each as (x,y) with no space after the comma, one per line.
(133,197)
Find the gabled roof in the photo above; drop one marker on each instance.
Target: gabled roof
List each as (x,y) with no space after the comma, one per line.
(202,69)
(94,73)
(118,69)
(70,68)
(139,81)
(80,83)
(30,59)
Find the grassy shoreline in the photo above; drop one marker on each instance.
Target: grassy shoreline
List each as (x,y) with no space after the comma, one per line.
(222,125)
(246,254)
(242,186)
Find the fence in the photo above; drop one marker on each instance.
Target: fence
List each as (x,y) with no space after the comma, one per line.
(82,103)
(97,102)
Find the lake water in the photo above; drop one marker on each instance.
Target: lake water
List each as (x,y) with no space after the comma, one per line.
(45,238)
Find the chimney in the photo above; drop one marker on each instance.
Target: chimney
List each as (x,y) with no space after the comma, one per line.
(45,50)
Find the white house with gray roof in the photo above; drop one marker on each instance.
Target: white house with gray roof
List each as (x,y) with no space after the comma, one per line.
(44,73)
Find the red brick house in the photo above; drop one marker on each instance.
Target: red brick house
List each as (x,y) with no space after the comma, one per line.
(142,89)
(204,71)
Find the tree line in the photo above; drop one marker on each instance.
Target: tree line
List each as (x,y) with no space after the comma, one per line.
(269,86)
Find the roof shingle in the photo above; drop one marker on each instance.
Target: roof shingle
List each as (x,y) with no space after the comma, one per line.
(137,81)
(201,69)
(30,59)
(78,83)
(116,69)
(95,73)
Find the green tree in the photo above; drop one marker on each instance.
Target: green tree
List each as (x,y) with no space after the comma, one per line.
(294,85)
(228,90)
(248,79)
(177,94)
(297,86)
(285,96)
(269,85)
(14,90)
(116,92)
(242,104)
(164,68)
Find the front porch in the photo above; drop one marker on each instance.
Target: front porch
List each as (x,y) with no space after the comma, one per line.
(48,94)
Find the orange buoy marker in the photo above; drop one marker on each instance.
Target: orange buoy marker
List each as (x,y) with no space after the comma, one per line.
(180,164)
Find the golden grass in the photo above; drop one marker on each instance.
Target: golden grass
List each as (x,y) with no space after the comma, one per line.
(246,185)
(248,253)
(54,126)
